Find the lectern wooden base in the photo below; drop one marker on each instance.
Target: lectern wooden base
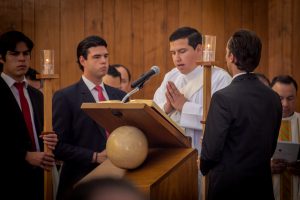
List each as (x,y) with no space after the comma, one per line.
(170,171)
(168,174)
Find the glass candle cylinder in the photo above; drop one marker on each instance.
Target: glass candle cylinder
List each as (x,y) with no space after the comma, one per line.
(209,48)
(47,61)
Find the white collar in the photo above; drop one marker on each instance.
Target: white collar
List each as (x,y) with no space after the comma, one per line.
(90,84)
(239,74)
(10,81)
(290,117)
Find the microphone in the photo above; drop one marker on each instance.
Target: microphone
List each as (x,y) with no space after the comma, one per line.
(154,70)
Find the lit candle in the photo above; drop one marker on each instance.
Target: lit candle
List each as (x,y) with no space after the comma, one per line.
(209,43)
(47,61)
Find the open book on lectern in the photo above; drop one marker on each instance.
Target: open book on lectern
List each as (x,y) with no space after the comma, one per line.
(160,130)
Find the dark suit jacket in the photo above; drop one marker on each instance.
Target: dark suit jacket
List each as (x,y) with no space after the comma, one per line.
(240,138)
(16,142)
(79,135)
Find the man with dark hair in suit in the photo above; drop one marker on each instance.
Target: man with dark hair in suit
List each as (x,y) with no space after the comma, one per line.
(242,128)
(125,77)
(82,141)
(286,175)
(21,122)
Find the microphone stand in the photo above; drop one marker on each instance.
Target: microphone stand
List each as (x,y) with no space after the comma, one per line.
(136,89)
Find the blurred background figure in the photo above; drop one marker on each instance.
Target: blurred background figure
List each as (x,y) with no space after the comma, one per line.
(106,189)
(263,79)
(286,176)
(113,77)
(125,77)
(32,80)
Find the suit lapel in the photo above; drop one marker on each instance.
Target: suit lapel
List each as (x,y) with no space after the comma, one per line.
(112,95)
(86,94)
(87,97)
(10,97)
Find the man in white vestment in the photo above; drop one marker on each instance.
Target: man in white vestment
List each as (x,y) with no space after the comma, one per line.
(286,183)
(181,93)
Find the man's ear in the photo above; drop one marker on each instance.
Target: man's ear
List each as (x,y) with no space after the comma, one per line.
(232,58)
(199,48)
(1,60)
(82,60)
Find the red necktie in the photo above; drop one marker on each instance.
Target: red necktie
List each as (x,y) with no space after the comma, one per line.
(100,93)
(101,98)
(26,113)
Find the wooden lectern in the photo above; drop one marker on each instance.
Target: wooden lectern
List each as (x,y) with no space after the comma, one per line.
(170,171)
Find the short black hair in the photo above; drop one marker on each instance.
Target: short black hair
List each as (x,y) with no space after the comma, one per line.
(9,41)
(85,44)
(245,46)
(194,37)
(85,190)
(284,79)
(127,70)
(113,72)
(31,74)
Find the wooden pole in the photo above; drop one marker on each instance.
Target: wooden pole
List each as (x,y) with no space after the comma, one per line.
(206,102)
(47,90)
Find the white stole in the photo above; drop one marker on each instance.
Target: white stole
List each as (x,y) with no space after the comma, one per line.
(188,91)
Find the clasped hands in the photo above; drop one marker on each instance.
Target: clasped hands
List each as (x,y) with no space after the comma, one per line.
(174,99)
(278,166)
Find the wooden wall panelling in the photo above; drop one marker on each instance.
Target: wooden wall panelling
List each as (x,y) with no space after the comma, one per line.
(260,26)
(137,18)
(247,14)
(296,47)
(287,37)
(93,17)
(28,24)
(47,34)
(71,33)
(123,33)
(10,15)
(275,35)
(280,40)
(137,31)
(213,24)
(172,25)
(108,27)
(155,42)
(28,21)
(232,17)
(190,13)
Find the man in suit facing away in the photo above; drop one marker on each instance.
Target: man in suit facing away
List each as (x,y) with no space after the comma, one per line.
(21,122)
(82,141)
(242,128)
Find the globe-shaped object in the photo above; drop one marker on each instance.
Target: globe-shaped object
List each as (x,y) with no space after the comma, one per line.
(127,147)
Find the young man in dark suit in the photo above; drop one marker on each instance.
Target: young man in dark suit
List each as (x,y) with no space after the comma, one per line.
(21,122)
(242,128)
(82,141)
